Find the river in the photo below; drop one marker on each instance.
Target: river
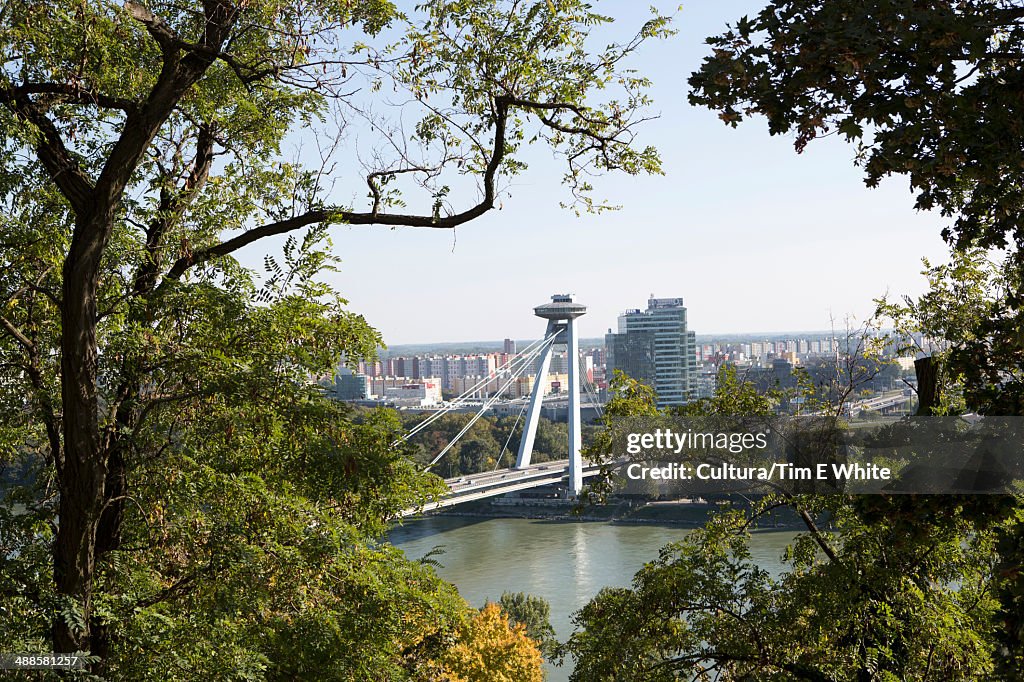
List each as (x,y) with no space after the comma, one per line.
(565,562)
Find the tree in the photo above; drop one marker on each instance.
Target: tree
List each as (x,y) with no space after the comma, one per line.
(148,373)
(627,398)
(970,318)
(927,90)
(534,614)
(930,91)
(968,322)
(733,395)
(490,649)
(889,605)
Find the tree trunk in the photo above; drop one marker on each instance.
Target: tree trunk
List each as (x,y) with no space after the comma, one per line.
(81,482)
(927,371)
(109,528)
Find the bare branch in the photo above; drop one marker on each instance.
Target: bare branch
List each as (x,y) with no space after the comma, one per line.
(341,216)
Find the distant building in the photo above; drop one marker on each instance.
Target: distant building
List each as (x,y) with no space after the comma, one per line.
(379,385)
(654,346)
(520,387)
(705,381)
(351,386)
(432,366)
(425,393)
(559,363)
(371,369)
(509,347)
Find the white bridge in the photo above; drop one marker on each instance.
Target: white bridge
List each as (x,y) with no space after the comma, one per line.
(878,403)
(491,483)
(561,315)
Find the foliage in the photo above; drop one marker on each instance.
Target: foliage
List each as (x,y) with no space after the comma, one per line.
(181,479)
(627,397)
(926,90)
(972,319)
(734,395)
(876,588)
(930,91)
(896,602)
(254,501)
(534,614)
(971,316)
(282,590)
(490,649)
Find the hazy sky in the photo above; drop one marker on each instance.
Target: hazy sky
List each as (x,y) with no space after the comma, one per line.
(753,236)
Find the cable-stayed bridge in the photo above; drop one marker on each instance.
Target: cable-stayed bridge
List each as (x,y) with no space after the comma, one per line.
(878,403)
(501,481)
(561,316)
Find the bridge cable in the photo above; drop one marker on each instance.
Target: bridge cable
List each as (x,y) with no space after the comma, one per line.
(590,389)
(490,401)
(456,402)
(512,432)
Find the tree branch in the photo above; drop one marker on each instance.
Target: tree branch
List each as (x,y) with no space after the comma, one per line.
(155,25)
(64,170)
(35,375)
(801,671)
(171,209)
(178,588)
(335,215)
(816,534)
(72,93)
(176,77)
(17,334)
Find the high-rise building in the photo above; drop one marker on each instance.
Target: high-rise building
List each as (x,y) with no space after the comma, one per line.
(351,386)
(509,347)
(654,346)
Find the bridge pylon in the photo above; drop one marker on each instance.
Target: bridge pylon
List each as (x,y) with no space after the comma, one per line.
(561,315)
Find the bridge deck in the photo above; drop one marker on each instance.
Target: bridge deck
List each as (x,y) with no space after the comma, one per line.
(492,483)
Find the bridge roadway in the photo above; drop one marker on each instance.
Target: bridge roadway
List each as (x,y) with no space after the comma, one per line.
(501,481)
(890,399)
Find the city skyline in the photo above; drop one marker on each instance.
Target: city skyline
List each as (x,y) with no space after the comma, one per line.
(701,337)
(741,336)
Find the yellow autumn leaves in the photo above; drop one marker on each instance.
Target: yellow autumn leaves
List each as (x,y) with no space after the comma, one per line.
(490,649)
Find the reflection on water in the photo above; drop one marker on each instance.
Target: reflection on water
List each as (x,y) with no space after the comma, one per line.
(566,563)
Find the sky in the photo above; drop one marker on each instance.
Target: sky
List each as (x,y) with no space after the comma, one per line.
(753,237)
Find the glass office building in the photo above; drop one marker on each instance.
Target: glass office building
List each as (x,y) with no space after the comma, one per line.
(654,346)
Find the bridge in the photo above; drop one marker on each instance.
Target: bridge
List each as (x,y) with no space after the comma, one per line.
(561,314)
(489,484)
(883,402)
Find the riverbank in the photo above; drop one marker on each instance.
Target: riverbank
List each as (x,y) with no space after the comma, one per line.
(685,514)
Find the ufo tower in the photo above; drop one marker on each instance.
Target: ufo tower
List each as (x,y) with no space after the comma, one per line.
(561,315)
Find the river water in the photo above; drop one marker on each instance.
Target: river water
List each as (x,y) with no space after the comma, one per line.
(565,562)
